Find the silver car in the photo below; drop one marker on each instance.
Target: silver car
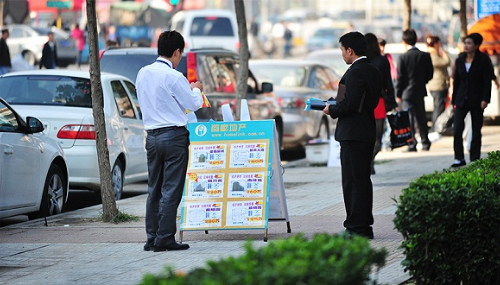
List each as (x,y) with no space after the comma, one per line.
(33,170)
(294,82)
(62,100)
(29,42)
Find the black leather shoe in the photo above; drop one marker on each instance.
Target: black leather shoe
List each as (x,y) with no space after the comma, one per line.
(410,149)
(426,147)
(148,246)
(458,163)
(351,233)
(172,246)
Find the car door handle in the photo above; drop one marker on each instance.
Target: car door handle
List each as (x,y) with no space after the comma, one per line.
(8,149)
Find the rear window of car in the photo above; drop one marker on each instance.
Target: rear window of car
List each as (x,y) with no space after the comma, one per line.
(46,90)
(211,26)
(127,65)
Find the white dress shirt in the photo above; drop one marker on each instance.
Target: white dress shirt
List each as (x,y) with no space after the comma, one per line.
(164,95)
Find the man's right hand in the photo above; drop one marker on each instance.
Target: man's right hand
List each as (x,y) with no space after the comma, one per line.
(197,84)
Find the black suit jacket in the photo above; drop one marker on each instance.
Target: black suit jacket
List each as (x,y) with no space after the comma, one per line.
(4,54)
(361,78)
(474,85)
(414,71)
(48,57)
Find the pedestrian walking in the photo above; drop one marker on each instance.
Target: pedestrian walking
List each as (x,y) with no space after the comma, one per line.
(77,35)
(164,95)
(440,82)
(356,132)
(49,53)
(5,64)
(472,77)
(387,101)
(414,71)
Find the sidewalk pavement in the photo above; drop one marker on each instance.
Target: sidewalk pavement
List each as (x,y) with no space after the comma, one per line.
(76,249)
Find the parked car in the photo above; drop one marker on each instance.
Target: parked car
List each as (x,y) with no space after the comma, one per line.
(324,38)
(331,57)
(62,100)
(207,28)
(211,67)
(29,42)
(295,82)
(33,169)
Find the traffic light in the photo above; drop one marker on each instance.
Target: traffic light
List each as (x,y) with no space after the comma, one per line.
(174,2)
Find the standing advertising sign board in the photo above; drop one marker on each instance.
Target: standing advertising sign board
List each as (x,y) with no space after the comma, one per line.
(229,175)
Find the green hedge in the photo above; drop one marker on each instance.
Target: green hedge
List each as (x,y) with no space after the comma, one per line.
(450,222)
(325,259)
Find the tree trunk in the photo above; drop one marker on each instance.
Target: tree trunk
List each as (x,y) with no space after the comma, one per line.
(463,20)
(109,209)
(407,15)
(239,7)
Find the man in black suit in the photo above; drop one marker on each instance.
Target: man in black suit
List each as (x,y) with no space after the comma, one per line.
(356,132)
(414,71)
(49,53)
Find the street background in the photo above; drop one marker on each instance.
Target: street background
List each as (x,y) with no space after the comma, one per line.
(75,248)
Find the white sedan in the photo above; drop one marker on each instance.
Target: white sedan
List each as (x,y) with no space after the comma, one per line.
(33,171)
(61,99)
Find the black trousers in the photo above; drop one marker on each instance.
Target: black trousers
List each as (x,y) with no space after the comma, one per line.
(355,158)
(168,154)
(476,114)
(416,110)
(440,98)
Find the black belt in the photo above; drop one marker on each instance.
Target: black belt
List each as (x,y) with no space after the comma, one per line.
(164,129)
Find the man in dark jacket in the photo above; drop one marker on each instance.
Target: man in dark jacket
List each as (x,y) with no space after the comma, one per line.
(356,132)
(49,53)
(5,64)
(414,71)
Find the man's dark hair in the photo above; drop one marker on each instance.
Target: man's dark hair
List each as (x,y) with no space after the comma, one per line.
(372,47)
(4,31)
(354,40)
(410,37)
(168,42)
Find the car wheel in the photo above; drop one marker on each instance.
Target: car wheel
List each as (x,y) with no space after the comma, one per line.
(29,57)
(54,194)
(323,131)
(117,178)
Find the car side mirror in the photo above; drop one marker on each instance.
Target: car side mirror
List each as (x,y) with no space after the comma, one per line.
(267,87)
(34,125)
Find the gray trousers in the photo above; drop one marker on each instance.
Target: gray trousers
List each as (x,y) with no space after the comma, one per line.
(168,154)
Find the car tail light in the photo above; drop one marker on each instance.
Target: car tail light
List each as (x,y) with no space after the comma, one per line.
(291,103)
(237,45)
(191,67)
(80,132)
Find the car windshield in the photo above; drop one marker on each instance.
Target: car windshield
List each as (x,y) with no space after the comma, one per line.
(212,26)
(46,90)
(290,76)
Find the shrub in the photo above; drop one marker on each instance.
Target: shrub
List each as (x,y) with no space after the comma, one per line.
(450,222)
(325,259)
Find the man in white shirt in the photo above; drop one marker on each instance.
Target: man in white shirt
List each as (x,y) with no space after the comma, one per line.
(164,96)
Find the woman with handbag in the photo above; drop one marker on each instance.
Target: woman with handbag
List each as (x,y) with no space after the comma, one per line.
(387,101)
(438,85)
(472,78)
